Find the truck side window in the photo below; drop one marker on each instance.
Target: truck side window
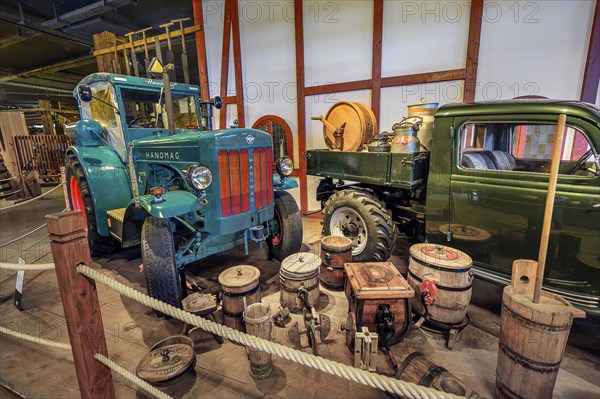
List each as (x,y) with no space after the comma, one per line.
(523,147)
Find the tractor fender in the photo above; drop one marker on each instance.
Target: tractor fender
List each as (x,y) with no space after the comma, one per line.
(108,180)
(287,184)
(174,203)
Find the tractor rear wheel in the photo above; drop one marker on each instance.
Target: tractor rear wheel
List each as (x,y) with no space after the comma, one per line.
(80,199)
(158,257)
(360,216)
(286,239)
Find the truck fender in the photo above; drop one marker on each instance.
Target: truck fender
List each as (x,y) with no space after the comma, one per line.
(174,203)
(108,181)
(287,184)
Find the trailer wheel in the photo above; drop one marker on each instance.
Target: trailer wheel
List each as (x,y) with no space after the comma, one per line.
(361,217)
(287,237)
(158,257)
(80,199)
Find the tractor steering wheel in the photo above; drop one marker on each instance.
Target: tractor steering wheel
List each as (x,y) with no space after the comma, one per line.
(146,121)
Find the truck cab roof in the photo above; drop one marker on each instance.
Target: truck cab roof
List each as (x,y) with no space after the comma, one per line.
(530,106)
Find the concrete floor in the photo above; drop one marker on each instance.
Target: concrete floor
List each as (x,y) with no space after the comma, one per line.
(222,371)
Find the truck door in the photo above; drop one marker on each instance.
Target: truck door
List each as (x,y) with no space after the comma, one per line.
(499,181)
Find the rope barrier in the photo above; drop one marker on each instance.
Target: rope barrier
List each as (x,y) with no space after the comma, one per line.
(26,234)
(384,383)
(32,199)
(131,377)
(31,338)
(8,179)
(23,236)
(100,357)
(27,267)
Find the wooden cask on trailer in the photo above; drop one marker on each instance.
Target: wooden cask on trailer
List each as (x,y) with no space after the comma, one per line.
(533,337)
(335,252)
(378,298)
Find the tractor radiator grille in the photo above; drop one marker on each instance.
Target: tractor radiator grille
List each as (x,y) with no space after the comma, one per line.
(236,179)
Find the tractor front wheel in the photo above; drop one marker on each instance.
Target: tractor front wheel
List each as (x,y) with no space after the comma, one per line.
(80,199)
(286,235)
(158,257)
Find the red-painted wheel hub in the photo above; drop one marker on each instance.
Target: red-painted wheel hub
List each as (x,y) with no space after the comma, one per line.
(76,197)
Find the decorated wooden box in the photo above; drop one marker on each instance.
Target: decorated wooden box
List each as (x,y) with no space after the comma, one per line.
(378,298)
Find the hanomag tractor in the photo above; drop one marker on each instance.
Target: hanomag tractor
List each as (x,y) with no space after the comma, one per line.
(148,168)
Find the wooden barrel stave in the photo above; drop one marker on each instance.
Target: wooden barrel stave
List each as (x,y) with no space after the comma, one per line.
(419,369)
(454,286)
(335,251)
(258,323)
(532,342)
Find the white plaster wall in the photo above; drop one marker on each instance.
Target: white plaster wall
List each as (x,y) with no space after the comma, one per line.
(527,47)
(337,40)
(424,36)
(533,48)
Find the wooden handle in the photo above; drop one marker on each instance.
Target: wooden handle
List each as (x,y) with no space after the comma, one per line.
(559,132)
(329,128)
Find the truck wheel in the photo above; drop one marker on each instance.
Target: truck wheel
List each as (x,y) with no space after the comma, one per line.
(364,219)
(158,257)
(80,199)
(287,237)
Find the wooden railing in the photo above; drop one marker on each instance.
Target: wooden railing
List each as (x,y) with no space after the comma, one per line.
(42,153)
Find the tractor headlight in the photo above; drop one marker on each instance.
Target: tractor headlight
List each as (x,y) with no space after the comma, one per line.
(199,177)
(284,166)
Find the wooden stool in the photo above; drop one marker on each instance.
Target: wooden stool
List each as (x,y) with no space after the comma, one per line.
(201,305)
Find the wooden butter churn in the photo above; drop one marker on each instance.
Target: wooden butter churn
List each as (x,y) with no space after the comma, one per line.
(378,298)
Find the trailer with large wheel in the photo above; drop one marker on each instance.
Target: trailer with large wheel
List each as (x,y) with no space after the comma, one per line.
(148,169)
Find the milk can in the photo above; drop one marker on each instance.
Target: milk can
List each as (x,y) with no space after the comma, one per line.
(425,112)
(405,139)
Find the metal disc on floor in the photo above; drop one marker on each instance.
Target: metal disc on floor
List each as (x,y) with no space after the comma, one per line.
(167,359)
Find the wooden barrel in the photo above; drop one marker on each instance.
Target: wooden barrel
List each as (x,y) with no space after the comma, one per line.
(360,123)
(419,369)
(239,284)
(533,337)
(473,241)
(299,271)
(335,251)
(258,323)
(451,271)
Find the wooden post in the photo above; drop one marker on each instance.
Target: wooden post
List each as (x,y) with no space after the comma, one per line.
(547,224)
(68,240)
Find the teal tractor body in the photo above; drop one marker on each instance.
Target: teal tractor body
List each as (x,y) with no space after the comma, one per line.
(183,196)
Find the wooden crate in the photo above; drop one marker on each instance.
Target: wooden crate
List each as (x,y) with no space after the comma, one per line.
(369,285)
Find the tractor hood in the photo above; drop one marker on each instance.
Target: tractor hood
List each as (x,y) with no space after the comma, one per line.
(183,147)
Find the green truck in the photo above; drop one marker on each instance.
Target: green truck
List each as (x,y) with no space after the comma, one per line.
(481,187)
(147,168)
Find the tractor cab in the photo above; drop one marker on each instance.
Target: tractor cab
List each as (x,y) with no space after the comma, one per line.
(130,108)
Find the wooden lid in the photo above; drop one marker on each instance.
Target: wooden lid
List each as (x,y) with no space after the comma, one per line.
(300,265)
(465,233)
(239,276)
(167,359)
(336,243)
(377,280)
(440,256)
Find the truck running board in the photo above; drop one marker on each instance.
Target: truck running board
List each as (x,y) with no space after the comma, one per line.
(115,222)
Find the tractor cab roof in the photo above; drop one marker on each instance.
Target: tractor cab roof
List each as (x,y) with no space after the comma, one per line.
(134,82)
